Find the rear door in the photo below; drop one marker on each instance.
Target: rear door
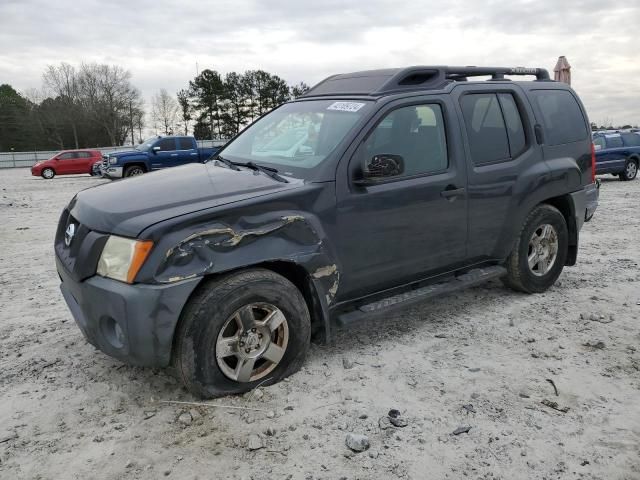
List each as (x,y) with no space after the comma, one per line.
(83,162)
(503,162)
(187,151)
(167,156)
(413,225)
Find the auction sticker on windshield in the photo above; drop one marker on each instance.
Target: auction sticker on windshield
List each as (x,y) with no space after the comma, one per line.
(346,106)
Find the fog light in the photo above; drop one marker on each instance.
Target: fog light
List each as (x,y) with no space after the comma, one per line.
(113,332)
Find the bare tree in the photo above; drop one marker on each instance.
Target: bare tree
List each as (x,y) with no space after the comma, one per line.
(164,111)
(62,82)
(108,96)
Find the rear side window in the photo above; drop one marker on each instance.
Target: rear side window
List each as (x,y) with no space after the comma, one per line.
(513,120)
(614,141)
(166,144)
(485,127)
(185,144)
(562,118)
(631,139)
(84,155)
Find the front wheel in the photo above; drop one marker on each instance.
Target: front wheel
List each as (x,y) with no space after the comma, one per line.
(133,171)
(239,331)
(540,251)
(48,173)
(630,170)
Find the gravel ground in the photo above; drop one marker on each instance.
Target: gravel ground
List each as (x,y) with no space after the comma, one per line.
(481,359)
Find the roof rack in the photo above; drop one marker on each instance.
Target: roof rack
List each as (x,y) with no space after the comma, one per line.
(392,80)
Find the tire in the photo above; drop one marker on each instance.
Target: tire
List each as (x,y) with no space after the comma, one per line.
(48,173)
(537,279)
(210,319)
(133,171)
(630,170)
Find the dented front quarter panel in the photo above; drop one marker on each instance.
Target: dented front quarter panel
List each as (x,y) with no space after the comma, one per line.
(248,234)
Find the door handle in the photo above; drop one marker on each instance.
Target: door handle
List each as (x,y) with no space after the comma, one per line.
(174,154)
(451,193)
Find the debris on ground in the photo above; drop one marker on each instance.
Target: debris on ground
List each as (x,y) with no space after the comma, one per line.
(396,419)
(357,442)
(554,405)
(185,419)
(599,345)
(469,408)
(460,430)
(5,437)
(555,389)
(254,443)
(347,364)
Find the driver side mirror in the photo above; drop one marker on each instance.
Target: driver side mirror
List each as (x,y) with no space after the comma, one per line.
(381,167)
(155,149)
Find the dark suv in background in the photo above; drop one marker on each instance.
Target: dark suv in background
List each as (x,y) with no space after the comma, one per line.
(617,153)
(373,191)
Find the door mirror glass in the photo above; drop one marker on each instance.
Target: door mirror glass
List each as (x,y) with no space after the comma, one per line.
(156,149)
(382,167)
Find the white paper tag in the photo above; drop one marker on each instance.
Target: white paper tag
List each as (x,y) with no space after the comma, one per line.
(346,106)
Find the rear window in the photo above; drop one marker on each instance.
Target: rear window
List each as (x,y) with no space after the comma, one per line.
(631,139)
(562,118)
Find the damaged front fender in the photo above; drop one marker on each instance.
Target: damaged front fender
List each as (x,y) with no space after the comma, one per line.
(252,240)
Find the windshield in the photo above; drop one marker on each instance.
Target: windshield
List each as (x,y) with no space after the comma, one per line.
(297,135)
(146,145)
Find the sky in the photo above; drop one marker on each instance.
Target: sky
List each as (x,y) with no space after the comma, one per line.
(162,43)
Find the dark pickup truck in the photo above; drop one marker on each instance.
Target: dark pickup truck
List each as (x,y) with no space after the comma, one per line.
(154,153)
(373,191)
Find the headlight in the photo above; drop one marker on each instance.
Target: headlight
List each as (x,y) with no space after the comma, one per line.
(122,258)
(113,160)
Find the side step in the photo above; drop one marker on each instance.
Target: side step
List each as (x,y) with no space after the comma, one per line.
(472,278)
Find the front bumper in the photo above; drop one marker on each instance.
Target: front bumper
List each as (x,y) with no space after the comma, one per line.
(592,193)
(111,172)
(133,323)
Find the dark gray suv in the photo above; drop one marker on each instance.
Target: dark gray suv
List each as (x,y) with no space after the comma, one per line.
(373,191)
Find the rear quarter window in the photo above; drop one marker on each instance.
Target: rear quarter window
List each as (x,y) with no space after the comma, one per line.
(562,119)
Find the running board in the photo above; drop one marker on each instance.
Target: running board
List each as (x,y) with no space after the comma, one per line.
(472,278)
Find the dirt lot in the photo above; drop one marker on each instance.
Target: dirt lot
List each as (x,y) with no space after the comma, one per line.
(478,359)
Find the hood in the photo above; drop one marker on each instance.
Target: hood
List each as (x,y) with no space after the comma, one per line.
(126,207)
(124,153)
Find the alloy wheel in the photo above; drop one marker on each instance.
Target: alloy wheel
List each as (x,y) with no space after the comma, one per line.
(543,250)
(252,342)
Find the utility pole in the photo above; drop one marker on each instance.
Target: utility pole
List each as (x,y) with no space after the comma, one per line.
(131,121)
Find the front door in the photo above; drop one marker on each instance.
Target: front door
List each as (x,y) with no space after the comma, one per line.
(167,156)
(410,226)
(66,163)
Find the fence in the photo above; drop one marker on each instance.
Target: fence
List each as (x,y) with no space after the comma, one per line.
(27,159)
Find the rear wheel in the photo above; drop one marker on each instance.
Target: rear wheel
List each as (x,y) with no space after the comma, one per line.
(630,170)
(48,173)
(133,171)
(540,252)
(239,331)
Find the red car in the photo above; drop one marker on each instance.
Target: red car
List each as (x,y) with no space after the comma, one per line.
(66,163)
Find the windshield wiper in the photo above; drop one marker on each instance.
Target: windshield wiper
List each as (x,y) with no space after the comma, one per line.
(227,162)
(272,172)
